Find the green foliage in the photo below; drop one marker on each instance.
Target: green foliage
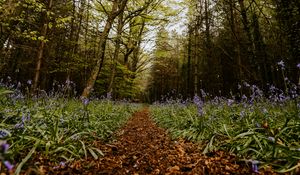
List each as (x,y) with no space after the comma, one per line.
(124,83)
(3,93)
(266,132)
(58,129)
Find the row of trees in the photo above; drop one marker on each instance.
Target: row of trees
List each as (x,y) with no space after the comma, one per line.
(229,43)
(95,45)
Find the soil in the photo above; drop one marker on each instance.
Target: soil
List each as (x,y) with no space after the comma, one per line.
(142,148)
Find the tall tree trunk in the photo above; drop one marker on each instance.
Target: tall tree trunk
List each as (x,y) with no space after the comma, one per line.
(118,7)
(41,49)
(236,39)
(86,40)
(249,36)
(130,46)
(116,52)
(189,55)
(136,52)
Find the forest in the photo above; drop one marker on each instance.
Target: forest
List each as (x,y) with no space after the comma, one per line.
(101,47)
(219,77)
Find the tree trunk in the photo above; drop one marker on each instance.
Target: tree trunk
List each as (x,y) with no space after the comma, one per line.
(116,52)
(189,55)
(41,50)
(136,52)
(118,7)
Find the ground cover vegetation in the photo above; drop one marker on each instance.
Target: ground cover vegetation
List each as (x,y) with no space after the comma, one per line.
(262,130)
(58,130)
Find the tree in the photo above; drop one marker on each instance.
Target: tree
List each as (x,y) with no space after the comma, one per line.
(117,8)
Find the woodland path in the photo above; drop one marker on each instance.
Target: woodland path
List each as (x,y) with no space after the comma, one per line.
(142,148)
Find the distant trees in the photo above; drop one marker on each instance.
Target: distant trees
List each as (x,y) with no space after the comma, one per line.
(98,46)
(229,43)
(95,44)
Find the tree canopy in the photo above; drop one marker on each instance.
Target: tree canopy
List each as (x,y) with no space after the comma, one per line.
(128,48)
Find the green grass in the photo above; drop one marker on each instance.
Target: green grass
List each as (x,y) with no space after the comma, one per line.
(264,131)
(58,129)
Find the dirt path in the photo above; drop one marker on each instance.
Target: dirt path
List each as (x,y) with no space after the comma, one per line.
(143,148)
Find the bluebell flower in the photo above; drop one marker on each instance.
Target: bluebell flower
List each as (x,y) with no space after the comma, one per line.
(8,165)
(230,102)
(246,84)
(272,88)
(203,93)
(85,101)
(265,111)
(29,82)
(19,85)
(3,134)
(254,166)
(239,86)
(242,113)
(4,147)
(281,64)
(25,117)
(109,96)
(19,125)
(244,98)
(199,103)
(272,139)
(62,164)
(257,125)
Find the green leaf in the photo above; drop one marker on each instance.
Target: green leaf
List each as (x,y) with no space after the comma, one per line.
(18,170)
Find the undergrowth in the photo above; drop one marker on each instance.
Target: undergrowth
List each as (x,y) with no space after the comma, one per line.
(59,129)
(263,133)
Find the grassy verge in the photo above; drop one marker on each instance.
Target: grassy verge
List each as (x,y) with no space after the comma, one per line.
(264,133)
(59,129)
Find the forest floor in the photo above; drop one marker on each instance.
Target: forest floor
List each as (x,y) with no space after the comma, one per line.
(141,147)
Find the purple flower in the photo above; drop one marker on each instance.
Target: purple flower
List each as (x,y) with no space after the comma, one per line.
(230,102)
(203,93)
(244,98)
(109,96)
(25,118)
(272,88)
(4,147)
(68,82)
(281,64)
(242,114)
(257,125)
(85,101)
(265,110)
(239,86)
(199,103)
(272,139)
(298,65)
(246,84)
(62,164)
(19,85)
(8,165)
(29,82)
(3,134)
(19,125)
(254,166)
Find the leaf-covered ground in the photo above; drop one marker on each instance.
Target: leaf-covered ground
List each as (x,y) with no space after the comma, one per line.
(142,147)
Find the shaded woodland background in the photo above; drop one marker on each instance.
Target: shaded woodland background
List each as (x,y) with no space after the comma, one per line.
(94,47)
